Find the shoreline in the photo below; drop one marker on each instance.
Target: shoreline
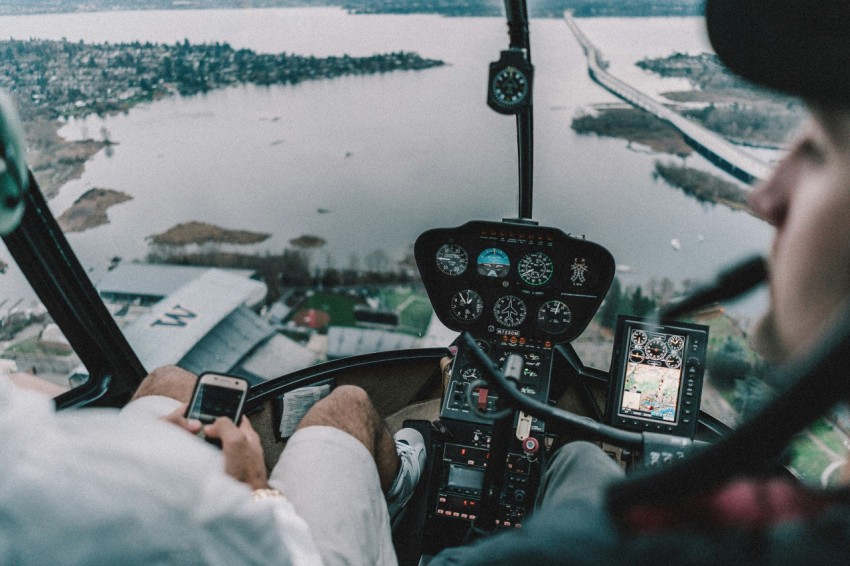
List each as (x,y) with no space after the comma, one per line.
(55,161)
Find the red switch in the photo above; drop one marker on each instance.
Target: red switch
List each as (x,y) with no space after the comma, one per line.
(530,445)
(482,399)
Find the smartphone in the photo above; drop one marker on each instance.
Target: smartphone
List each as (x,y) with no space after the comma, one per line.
(217,395)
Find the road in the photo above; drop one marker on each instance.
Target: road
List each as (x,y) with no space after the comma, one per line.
(713,147)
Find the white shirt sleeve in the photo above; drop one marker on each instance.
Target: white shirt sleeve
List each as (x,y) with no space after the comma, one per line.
(88,487)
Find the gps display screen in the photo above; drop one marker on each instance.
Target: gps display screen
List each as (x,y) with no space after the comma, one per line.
(656,376)
(653,376)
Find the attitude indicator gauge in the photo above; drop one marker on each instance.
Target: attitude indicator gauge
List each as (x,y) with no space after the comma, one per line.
(536,269)
(466,305)
(493,262)
(510,311)
(554,316)
(452,259)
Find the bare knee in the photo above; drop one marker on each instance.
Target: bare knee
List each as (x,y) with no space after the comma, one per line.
(347,408)
(168,381)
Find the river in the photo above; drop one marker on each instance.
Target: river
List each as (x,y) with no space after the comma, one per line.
(389,155)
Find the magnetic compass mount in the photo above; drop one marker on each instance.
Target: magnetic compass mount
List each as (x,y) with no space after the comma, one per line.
(510,83)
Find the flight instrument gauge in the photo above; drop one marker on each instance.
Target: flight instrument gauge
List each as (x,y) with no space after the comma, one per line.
(452,259)
(554,316)
(639,337)
(470,374)
(466,305)
(656,349)
(636,356)
(673,361)
(510,86)
(536,268)
(676,342)
(510,82)
(493,262)
(509,311)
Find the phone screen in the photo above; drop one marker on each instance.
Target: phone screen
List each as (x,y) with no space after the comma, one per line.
(213,401)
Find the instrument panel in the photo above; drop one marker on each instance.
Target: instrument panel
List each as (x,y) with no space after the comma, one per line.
(513,282)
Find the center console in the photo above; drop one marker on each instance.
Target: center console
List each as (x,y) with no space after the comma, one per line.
(517,289)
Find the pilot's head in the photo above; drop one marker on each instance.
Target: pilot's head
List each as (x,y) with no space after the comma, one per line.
(800,47)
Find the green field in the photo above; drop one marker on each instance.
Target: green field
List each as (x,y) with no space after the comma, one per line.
(809,459)
(413,309)
(339,307)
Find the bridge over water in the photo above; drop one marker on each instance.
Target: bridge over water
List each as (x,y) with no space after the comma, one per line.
(710,145)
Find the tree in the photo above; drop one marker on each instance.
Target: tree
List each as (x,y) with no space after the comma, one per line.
(611,306)
(751,396)
(641,306)
(296,268)
(729,363)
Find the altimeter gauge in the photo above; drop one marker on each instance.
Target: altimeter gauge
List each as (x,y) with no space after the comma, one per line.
(452,259)
(536,268)
(554,316)
(510,311)
(466,305)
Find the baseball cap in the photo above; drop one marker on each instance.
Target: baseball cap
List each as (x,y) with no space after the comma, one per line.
(800,47)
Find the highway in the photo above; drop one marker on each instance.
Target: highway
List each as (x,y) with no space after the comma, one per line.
(710,145)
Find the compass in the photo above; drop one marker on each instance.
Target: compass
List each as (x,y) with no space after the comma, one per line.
(509,89)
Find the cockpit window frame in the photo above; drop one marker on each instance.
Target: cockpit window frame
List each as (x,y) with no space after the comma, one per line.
(44,255)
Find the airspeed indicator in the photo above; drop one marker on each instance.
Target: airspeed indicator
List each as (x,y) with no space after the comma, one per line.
(452,259)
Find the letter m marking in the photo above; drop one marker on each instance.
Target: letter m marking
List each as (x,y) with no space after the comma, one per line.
(176,316)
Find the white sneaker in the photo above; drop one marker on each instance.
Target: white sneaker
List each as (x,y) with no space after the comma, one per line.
(411,451)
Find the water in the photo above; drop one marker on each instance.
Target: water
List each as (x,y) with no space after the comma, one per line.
(389,155)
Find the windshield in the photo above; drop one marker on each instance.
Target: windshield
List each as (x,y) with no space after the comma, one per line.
(252,180)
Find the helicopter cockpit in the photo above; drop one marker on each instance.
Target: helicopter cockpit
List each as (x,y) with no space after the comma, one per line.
(558,331)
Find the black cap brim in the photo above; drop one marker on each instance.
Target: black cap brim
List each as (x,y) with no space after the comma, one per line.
(800,47)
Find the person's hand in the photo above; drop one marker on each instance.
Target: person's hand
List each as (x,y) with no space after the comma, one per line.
(178,418)
(243,454)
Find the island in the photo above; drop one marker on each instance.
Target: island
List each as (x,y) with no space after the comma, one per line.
(626,122)
(703,186)
(199,233)
(738,110)
(89,210)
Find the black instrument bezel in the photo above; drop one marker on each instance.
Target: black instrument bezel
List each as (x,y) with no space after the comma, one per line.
(692,370)
(517,241)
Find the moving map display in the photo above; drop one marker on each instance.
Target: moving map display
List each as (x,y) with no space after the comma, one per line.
(651,391)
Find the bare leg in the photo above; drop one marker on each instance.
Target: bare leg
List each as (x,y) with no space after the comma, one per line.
(348,408)
(168,381)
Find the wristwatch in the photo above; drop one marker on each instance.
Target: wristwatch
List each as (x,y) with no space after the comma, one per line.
(265,493)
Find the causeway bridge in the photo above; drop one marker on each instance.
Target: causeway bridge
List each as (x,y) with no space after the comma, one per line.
(710,145)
